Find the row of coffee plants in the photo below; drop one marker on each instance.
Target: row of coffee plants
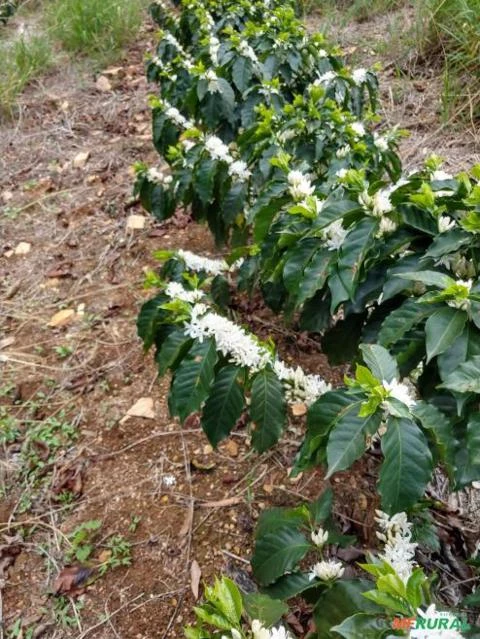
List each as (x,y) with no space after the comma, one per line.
(269,139)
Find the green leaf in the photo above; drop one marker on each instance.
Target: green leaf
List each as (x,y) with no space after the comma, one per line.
(354,249)
(441,428)
(273,518)
(264,608)
(380,362)
(321,508)
(228,599)
(407,465)
(414,590)
(314,275)
(193,378)
(335,210)
(290,585)
(173,348)
(430,278)
(242,73)
(466,378)
(399,321)
(347,440)
(448,242)
(224,405)
(362,625)
(468,460)
(204,179)
(342,600)
(442,329)
(150,318)
(388,601)
(277,553)
(296,260)
(267,410)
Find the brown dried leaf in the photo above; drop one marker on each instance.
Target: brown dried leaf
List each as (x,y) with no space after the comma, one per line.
(230,501)
(62,318)
(103,83)
(195,575)
(142,408)
(71,580)
(232,448)
(69,478)
(81,159)
(187,524)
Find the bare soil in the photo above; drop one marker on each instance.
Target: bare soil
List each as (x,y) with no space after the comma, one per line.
(73,212)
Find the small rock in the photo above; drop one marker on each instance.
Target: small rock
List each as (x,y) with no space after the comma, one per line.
(232,448)
(103,83)
(135,222)
(62,317)
(81,159)
(7,196)
(23,248)
(298,410)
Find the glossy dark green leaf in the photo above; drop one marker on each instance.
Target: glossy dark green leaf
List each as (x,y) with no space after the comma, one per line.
(442,329)
(466,378)
(173,348)
(193,378)
(224,405)
(277,553)
(380,362)
(267,410)
(407,466)
(264,608)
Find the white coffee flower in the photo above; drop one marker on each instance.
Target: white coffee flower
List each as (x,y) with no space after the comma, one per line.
(358,129)
(231,340)
(300,185)
(335,235)
(341,173)
(239,169)
(327,570)
(387,226)
(445,223)
(174,114)
(380,142)
(156,176)
(176,291)
(359,76)
(260,632)
(217,149)
(343,151)
(399,391)
(320,537)
(322,53)
(399,551)
(326,78)
(213,49)
(198,263)
(439,175)
(381,202)
(188,144)
(210,75)
(299,386)
(246,50)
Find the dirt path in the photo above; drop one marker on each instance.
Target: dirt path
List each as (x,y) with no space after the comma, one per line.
(65,186)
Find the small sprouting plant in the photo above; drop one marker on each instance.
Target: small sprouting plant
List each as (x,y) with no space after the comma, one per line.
(63,352)
(118,552)
(82,540)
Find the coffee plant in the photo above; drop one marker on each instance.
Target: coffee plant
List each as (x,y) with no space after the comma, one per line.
(274,142)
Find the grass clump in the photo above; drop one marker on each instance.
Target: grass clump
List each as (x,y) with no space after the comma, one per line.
(450,30)
(93,28)
(23,59)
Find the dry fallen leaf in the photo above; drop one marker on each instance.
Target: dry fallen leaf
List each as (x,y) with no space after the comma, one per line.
(187,524)
(81,159)
(113,71)
(71,580)
(103,83)
(299,409)
(23,248)
(6,341)
(7,196)
(230,501)
(62,318)
(195,574)
(232,448)
(135,222)
(142,408)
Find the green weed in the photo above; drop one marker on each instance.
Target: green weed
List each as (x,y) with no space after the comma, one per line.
(96,29)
